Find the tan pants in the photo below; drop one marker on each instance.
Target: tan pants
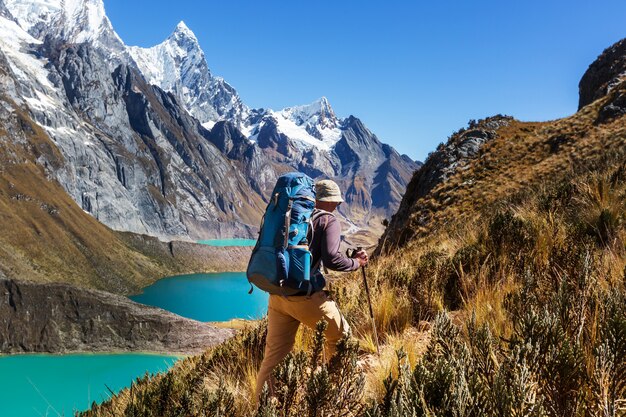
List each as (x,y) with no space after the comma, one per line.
(284,315)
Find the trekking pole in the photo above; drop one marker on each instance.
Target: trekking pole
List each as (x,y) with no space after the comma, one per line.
(369,302)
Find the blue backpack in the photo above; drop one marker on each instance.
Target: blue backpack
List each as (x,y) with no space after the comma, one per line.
(281,260)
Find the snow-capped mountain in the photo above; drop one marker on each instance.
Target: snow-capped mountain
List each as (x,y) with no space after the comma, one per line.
(74,21)
(154,143)
(133,157)
(312,125)
(178,65)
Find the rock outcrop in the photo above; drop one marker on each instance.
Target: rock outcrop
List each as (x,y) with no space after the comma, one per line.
(454,156)
(58,318)
(607,71)
(499,156)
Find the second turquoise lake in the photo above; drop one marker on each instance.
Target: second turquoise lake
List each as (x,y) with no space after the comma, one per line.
(206,297)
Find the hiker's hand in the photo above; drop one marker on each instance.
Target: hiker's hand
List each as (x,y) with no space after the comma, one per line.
(362,257)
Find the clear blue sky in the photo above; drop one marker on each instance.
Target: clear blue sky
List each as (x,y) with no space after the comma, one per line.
(414,72)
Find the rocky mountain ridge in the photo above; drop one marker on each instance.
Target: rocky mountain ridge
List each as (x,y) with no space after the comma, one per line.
(135,138)
(483,159)
(306,138)
(449,159)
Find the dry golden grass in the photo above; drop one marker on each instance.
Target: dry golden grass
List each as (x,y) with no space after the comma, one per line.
(523,217)
(521,155)
(237,324)
(411,341)
(487,307)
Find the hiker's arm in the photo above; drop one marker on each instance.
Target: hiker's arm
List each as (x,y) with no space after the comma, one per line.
(331,256)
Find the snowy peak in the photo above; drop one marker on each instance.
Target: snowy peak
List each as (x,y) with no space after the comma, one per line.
(164,64)
(314,123)
(75,21)
(182,44)
(183,33)
(4,12)
(178,65)
(310,125)
(318,114)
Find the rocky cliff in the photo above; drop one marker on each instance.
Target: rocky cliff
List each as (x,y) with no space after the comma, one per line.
(133,157)
(57,318)
(449,159)
(47,236)
(606,72)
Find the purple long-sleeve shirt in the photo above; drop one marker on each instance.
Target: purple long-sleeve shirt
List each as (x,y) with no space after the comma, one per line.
(325,246)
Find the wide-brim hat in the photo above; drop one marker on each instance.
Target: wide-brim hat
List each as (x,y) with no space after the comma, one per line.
(328,190)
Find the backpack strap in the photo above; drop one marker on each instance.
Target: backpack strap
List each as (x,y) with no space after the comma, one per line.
(317,213)
(287,223)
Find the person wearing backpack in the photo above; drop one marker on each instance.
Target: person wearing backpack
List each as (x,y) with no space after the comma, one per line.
(304,301)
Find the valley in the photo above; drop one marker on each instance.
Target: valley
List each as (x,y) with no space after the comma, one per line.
(133,181)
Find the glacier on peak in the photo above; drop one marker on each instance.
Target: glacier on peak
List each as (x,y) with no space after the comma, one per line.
(183,31)
(76,21)
(319,113)
(309,125)
(178,65)
(164,64)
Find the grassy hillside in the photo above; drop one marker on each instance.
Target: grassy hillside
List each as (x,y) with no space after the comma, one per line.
(500,291)
(47,237)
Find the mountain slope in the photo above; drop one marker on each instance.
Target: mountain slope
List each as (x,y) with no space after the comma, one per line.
(133,156)
(43,228)
(499,290)
(481,165)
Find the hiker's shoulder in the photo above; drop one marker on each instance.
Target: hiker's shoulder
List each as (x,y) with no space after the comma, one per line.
(319,214)
(323,218)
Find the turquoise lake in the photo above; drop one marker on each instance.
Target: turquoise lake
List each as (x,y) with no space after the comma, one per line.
(206,297)
(228,242)
(51,385)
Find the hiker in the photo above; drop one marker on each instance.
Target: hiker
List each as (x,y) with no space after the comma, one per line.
(285,313)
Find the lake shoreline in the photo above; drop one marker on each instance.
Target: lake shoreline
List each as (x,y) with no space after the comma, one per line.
(208,272)
(179,355)
(180,257)
(213,297)
(73,320)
